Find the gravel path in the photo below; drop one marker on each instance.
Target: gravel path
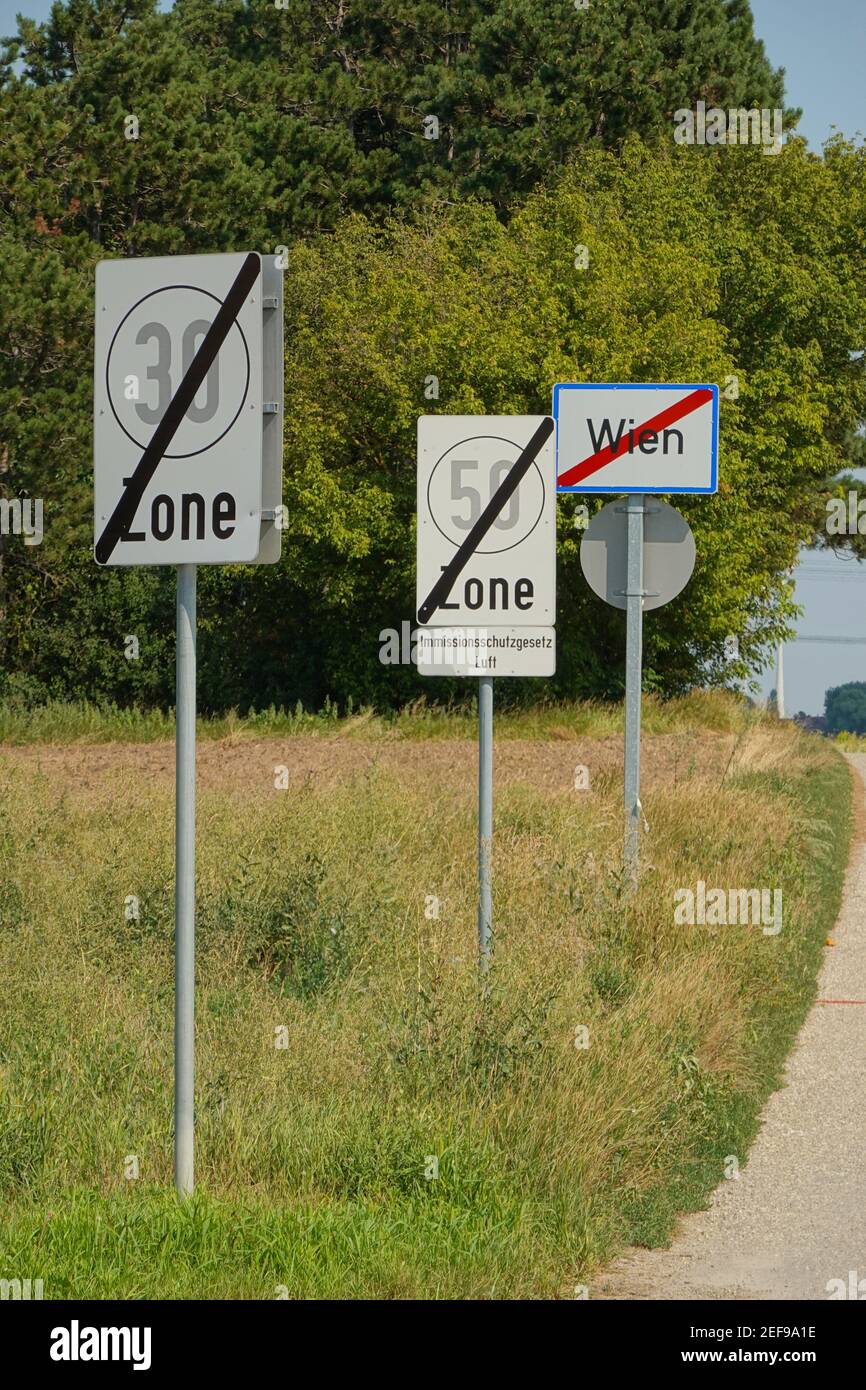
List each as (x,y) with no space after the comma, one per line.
(796,1217)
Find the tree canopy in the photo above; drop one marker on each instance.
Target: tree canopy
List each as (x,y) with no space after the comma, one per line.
(845,708)
(411,258)
(257,121)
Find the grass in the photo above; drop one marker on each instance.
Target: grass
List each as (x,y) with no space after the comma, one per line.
(150,1248)
(851,743)
(79,721)
(370,1124)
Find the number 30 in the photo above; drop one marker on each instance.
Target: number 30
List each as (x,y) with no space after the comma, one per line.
(160,372)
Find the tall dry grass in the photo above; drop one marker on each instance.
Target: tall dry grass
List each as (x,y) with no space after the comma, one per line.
(317,931)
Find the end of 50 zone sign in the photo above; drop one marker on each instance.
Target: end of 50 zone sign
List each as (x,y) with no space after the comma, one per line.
(188,375)
(486,546)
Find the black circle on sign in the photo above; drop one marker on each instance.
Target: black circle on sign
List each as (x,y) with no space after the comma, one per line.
(459,445)
(162,290)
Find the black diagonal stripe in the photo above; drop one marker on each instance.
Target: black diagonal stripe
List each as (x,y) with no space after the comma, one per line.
(445,583)
(124,513)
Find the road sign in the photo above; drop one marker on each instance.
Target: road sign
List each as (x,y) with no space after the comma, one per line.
(644,439)
(486,521)
(668,554)
(187,451)
(486,651)
(486,574)
(188,375)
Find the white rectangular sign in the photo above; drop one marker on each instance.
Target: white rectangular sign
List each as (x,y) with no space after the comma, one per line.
(645,438)
(486,651)
(508,578)
(188,410)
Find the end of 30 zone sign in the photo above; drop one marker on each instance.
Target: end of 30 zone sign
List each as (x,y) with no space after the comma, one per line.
(188,390)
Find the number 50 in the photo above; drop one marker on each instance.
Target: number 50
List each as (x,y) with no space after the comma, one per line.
(461,492)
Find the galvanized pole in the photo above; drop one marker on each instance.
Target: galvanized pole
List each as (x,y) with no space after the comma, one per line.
(633,659)
(485,817)
(184,891)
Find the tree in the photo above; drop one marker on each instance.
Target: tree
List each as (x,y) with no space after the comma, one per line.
(699,269)
(335,107)
(845,708)
(254,124)
(703,265)
(259,126)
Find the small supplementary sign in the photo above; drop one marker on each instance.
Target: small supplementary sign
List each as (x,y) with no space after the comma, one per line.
(486,651)
(644,438)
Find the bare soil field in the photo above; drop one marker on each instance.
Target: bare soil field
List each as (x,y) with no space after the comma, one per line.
(244,764)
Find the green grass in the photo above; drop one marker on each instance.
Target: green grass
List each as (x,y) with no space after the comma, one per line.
(82,722)
(314,1156)
(151,1247)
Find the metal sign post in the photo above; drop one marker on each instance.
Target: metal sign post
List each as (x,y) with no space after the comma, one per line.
(184,887)
(633,664)
(636,555)
(647,438)
(485,818)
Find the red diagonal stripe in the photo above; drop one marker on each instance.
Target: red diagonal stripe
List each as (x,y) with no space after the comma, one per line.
(579,471)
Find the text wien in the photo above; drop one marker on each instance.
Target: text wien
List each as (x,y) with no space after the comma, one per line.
(644,439)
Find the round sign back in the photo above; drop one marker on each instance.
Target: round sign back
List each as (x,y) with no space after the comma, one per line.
(668,553)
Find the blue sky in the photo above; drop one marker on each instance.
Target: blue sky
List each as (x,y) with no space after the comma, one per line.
(822,48)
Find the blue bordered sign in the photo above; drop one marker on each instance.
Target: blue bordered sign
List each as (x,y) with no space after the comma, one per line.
(650,437)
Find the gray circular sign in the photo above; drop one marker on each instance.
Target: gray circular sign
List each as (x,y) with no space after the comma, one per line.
(668,553)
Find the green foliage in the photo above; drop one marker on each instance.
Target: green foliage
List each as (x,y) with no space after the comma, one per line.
(256,120)
(261,127)
(845,708)
(701,269)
